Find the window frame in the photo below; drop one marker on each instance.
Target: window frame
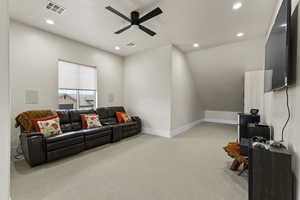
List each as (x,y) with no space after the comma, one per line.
(78,90)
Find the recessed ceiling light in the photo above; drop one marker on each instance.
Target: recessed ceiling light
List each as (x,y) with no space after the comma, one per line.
(196,45)
(117,48)
(237,5)
(50,21)
(240,34)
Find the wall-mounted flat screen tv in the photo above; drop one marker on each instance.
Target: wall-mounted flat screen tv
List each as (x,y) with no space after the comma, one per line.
(278,51)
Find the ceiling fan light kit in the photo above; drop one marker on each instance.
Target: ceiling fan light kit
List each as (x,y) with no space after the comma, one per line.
(136,20)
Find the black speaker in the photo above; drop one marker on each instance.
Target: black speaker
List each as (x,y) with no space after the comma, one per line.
(260,131)
(244,121)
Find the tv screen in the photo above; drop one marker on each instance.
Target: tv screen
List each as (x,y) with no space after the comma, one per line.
(277,61)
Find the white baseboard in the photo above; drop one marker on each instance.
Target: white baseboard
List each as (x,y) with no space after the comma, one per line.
(169,134)
(185,128)
(222,121)
(160,133)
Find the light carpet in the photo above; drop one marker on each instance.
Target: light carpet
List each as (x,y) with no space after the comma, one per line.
(190,166)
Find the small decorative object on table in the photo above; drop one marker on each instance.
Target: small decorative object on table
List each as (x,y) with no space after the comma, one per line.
(254,111)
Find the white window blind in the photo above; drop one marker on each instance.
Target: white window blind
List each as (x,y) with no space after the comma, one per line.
(76,76)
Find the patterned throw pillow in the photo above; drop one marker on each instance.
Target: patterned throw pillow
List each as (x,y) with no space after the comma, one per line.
(123,117)
(126,117)
(49,127)
(90,121)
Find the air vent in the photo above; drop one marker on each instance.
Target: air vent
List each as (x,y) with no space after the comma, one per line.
(131,44)
(54,7)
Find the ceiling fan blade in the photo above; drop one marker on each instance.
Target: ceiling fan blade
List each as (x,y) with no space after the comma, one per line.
(153,13)
(147,30)
(111,9)
(123,29)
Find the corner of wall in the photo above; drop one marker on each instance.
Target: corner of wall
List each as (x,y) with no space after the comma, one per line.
(222,117)
(5,102)
(185,98)
(174,132)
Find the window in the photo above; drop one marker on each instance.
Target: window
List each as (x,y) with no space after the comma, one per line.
(77,86)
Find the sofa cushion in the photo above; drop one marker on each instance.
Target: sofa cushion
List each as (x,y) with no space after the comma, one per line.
(63,152)
(130,124)
(66,127)
(127,125)
(102,113)
(94,142)
(112,110)
(64,143)
(76,126)
(75,114)
(101,130)
(108,115)
(109,121)
(65,120)
(64,136)
(64,116)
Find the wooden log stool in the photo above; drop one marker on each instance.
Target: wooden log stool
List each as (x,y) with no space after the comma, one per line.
(232,150)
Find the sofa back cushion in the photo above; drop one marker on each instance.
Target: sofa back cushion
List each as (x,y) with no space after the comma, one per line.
(112,110)
(76,119)
(65,120)
(102,113)
(108,114)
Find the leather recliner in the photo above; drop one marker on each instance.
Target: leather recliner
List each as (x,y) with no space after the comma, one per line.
(120,131)
(38,149)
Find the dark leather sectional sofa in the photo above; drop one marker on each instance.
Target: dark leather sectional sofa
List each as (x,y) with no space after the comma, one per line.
(38,149)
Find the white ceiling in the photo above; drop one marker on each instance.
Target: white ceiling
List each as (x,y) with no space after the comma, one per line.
(207,22)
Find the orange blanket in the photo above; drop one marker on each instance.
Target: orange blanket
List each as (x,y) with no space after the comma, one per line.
(24,119)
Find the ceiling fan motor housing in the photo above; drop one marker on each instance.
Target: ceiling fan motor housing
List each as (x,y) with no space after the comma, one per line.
(135,18)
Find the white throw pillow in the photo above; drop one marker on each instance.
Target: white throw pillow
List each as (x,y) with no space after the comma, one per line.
(92,121)
(50,127)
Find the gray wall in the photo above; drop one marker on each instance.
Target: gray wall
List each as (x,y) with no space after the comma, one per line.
(4,104)
(219,73)
(34,58)
(147,87)
(159,87)
(276,114)
(186,102)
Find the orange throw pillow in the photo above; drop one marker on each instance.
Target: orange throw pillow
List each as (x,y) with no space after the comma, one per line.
(119,117)
(83,121)
(35,122)
(123,117)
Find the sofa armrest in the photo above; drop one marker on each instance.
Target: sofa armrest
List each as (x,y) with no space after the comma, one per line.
(34,148)
(108,123)
(139,121)
(117,134)
(135,118)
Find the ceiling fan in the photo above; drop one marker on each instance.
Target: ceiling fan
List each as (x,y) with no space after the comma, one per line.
(136,20)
